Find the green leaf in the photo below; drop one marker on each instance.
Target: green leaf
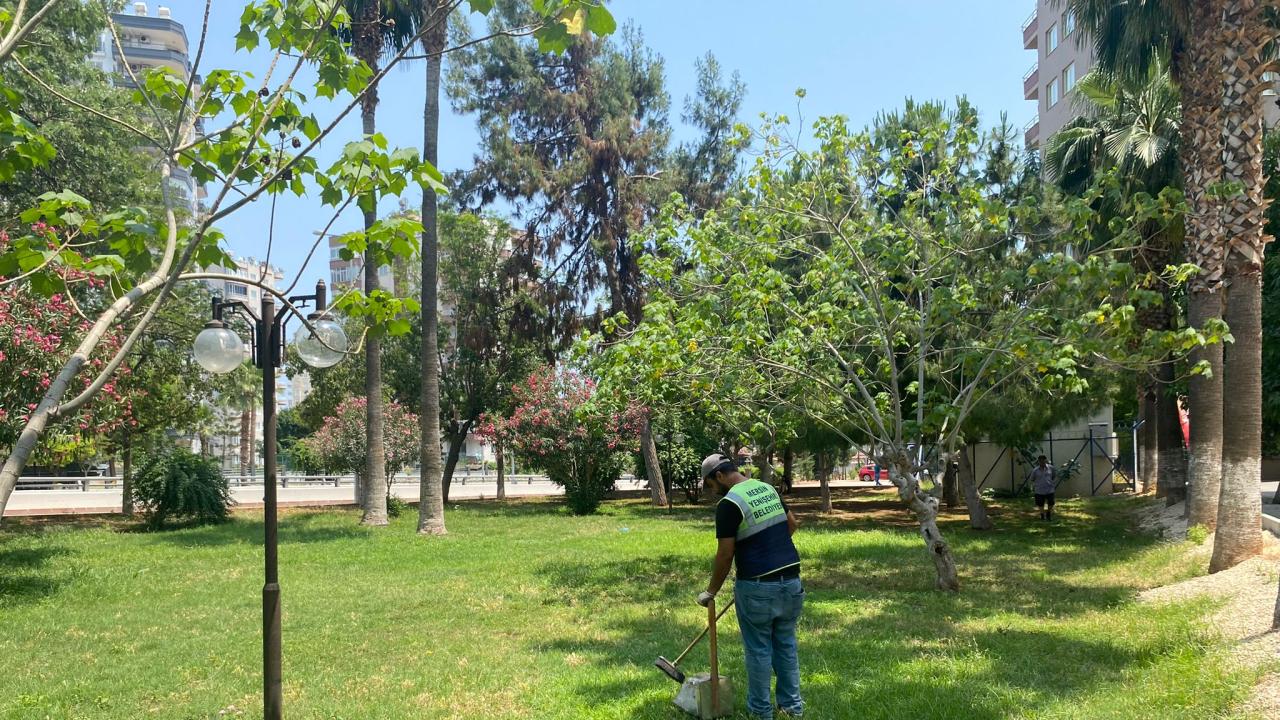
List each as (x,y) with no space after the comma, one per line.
(600,21)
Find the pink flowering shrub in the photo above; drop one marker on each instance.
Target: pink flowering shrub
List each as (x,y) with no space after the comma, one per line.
(339,444)
(562,427)
(37,335)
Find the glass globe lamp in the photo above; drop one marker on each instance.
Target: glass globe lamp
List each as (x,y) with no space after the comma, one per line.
(218,349)
(324,346)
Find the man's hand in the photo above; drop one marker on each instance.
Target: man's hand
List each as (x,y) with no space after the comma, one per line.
(705,598)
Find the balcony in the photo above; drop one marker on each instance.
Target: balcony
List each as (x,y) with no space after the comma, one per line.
(165,30)
(140,56)
(1031,134)
(1031,83)
(1031,32)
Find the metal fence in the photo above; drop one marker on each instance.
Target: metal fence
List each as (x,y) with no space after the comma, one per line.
(77,483)
(1102,463)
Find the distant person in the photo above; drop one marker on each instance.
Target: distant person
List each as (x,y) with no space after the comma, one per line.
(877,475)
(1043,485)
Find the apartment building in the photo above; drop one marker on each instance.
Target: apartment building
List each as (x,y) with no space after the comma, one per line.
(350,273)
(146,42)
(1063,55)
(253,271)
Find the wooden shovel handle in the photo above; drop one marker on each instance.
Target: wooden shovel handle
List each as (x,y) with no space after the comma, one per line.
(700,635)
(715,662)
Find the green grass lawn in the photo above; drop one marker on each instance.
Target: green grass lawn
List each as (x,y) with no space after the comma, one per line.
(526,612)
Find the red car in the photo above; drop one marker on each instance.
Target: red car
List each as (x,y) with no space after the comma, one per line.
(868,474)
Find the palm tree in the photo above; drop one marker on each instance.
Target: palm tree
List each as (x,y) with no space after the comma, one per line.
(1133,128)
(434,17)
(245,390)
(1246,52)
(1128,38)
(378,26)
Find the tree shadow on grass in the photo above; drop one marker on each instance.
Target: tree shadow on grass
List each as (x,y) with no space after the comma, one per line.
(24,573)
(294,527)
(871,665)
(872,611)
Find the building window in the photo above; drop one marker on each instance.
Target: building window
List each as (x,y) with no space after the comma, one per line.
(1051,39)
(1068,23)
(1051,94)
(1068,78)
(237,289)
(335,253)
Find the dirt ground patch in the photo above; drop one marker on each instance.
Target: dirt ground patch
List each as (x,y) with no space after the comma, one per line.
(1248,595)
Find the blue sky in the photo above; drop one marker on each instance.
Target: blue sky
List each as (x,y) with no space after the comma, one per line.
(853,57)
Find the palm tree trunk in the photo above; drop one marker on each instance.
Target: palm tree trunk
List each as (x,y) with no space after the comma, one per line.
(366,48)
(1148,437)
(253,439)
(652,466)
(1172,458)
(1204,408)
(431,486)
(1201,159)
(245,440)
(1239,532)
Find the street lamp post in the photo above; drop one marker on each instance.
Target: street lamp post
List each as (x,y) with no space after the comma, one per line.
(219,349)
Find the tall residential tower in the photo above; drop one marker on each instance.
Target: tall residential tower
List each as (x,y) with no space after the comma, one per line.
(1063,56)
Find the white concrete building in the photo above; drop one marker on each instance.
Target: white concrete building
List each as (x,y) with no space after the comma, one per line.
(146,42)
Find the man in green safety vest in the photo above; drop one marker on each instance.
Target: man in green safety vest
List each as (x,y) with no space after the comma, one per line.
(753,530)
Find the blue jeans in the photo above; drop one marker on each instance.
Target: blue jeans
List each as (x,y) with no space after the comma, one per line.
(767,614)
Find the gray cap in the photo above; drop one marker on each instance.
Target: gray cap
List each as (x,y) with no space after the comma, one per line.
(713,463)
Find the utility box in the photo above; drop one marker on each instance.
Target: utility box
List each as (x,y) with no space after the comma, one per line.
(695,697)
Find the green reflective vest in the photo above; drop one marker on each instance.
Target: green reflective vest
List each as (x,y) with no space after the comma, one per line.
(760,505)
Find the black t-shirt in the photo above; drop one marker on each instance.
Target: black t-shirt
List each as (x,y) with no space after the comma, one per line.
(729,517)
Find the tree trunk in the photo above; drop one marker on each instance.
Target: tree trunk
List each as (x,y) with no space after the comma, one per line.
(1239,532)
(253,439)
(1200,152)
(434,491)
(824,479)
(1171,455)
(245,441)
(950,489)
(764,466)
(652,466)
(788,468)
(502,470)
(451,463)
(978,519)
(126,482)
(367,47)
(1148,438)
(1204,410)
(925,507)
(27,441)
(1246,37)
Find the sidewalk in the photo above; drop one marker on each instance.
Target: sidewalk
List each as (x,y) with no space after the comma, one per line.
(1270,513)
(103,502)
